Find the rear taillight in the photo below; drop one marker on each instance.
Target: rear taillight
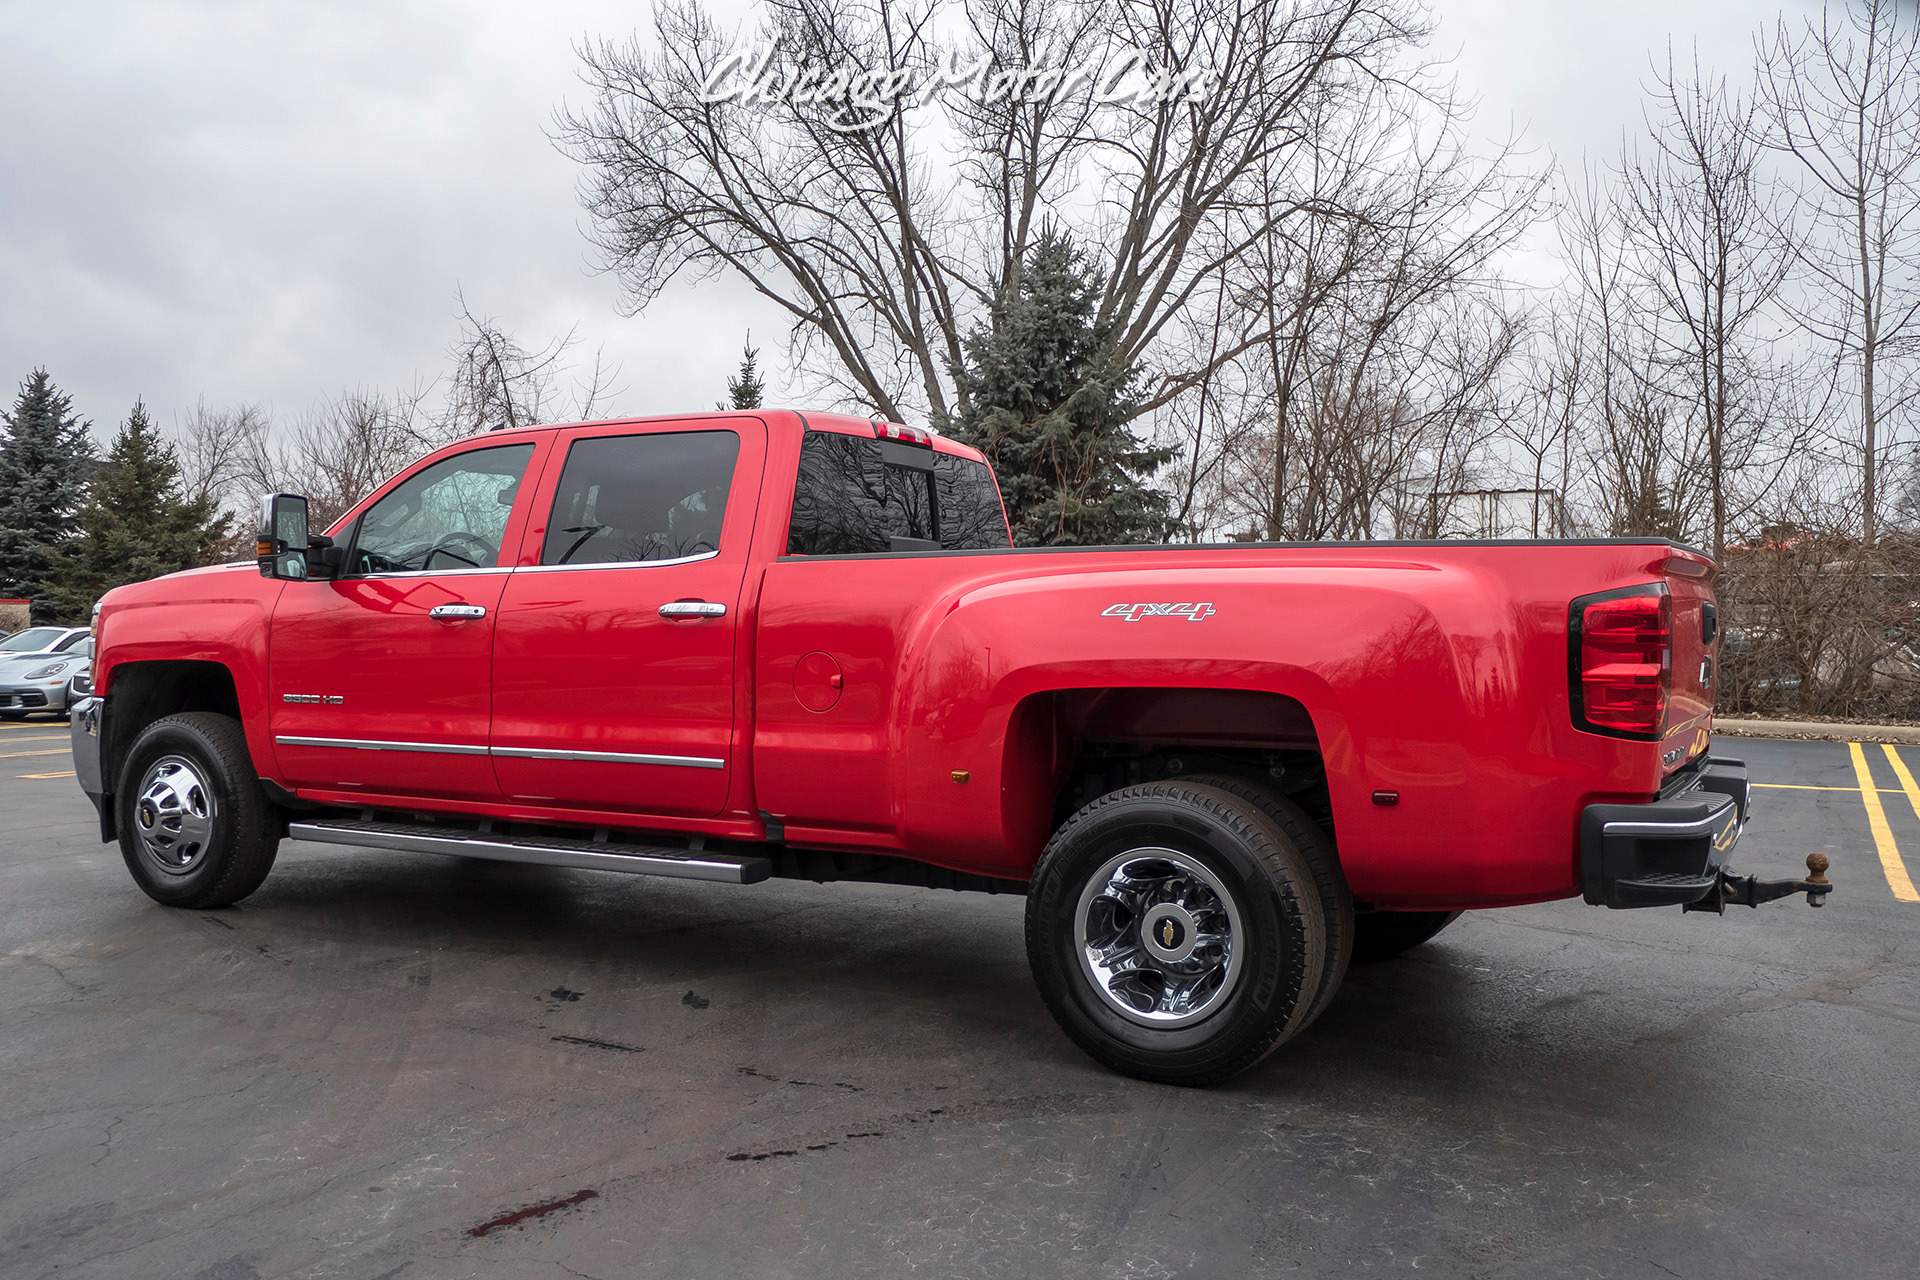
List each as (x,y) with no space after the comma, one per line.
(1620,654)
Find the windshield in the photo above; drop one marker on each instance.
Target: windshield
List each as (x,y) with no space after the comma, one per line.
(31,640)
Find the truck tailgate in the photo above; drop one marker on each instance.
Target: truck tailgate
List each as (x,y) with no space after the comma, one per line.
(1689,720)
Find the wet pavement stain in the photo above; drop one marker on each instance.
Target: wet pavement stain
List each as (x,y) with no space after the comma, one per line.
(811,1084)
(533,1211)
(600,1044)
(813,1146)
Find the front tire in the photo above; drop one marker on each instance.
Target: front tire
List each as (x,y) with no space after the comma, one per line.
(195,829)
(1175,932)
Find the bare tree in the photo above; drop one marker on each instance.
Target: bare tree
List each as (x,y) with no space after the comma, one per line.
(341,449)
(885,244)
(218,451)
(1640,468)
(344,448)
(1376,329)
(1547,419)
(496,382)
(1713,257)
(1842,98)
(1821,622)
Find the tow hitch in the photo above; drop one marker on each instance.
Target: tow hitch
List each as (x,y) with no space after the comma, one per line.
(1751,891)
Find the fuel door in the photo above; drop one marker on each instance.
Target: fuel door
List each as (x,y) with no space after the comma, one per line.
(817,681)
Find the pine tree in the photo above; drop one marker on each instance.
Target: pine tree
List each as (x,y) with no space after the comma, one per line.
(746,389)
(135,523)
(1049,405)
(45,460)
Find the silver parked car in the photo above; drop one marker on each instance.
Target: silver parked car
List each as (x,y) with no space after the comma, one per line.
(37,675)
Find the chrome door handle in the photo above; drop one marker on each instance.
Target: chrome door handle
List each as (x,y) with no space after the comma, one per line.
(693,609)
(457,611)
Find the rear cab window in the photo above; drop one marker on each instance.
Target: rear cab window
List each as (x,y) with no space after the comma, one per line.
(858,495)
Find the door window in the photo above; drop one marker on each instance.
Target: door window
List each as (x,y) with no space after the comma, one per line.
(635,499)
(450,515)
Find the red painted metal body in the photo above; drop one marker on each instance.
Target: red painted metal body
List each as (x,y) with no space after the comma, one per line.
(845,696)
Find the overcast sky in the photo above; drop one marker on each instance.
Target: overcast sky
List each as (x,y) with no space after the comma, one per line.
(269,203)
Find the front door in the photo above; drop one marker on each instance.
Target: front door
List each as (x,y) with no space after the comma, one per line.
(613,675)
(380,678)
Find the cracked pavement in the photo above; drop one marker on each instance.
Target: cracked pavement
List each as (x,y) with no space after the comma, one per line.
(387,1065)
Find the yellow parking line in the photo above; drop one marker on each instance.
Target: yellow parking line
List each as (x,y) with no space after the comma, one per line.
(67,774)
(1896,870)
(15,755)
(1801,786)
(45,737)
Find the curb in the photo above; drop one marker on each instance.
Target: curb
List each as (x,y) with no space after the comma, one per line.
(1818,731)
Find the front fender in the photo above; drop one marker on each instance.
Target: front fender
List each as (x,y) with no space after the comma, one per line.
(219,616)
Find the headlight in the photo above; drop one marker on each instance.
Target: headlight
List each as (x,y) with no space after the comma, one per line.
(47,672)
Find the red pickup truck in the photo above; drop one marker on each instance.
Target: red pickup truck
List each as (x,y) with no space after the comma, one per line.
(740,645)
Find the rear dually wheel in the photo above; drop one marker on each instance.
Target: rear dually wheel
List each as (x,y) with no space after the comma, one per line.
(1175,932)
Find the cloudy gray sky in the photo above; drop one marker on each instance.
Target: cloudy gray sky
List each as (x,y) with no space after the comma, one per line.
(269,203)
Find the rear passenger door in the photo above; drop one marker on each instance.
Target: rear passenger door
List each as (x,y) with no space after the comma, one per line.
(614,658)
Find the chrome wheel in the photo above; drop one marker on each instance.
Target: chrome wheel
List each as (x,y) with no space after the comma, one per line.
(174,815)
(1158,935)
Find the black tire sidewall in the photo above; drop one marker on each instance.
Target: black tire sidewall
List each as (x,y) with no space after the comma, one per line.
(1269,984)
(180,737)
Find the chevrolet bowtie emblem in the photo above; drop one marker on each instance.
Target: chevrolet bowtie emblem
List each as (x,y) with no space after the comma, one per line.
(1166,933)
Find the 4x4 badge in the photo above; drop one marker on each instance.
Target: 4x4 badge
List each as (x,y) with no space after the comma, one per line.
(1134,612)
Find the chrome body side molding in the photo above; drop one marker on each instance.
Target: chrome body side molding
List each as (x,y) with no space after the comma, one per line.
(520,753)
(372,744)
(611,757)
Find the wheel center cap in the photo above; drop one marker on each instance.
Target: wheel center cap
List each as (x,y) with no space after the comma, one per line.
(147,814)
(1168,932)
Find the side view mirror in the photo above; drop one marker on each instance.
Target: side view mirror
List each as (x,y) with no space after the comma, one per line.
(283,542)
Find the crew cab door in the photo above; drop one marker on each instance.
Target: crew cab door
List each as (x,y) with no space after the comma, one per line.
(379,678)
(614,662)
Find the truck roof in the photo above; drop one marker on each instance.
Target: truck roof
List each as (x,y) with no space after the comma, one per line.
(775,419)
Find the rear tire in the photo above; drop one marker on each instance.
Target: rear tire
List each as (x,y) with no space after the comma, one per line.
(1175,932)
(1323,862)
(1382,935)
(195,829)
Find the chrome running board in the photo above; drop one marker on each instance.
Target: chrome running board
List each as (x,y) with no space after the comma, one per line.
(592,855)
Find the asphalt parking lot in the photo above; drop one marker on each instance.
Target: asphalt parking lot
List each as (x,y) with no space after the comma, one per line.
(387,1065)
